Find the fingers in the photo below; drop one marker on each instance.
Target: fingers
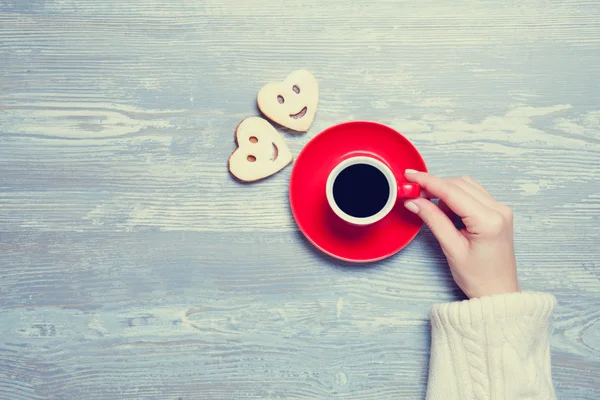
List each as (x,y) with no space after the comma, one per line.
(463,203)
(438,222)
(479,192)
(481,195)
(446,210)
(477,185)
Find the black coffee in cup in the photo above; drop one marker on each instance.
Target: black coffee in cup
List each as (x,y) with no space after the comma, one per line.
(361,190)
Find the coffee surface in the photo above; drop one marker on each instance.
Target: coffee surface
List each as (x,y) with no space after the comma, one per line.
(361,190)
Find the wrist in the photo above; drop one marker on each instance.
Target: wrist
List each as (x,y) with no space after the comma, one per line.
(493,291)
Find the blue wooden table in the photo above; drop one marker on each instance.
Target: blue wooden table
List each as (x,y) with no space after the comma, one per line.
(133,267)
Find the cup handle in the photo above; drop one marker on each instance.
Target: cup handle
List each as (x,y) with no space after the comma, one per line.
(409,190)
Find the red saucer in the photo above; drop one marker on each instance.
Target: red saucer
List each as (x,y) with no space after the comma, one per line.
(309,204)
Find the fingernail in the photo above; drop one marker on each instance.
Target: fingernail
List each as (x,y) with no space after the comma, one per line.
(410,171)
(412,207)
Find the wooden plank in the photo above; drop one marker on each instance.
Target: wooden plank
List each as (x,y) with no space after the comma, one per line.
(133,266)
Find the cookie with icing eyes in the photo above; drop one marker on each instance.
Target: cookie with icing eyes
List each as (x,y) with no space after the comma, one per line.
(293,102)
(261,151)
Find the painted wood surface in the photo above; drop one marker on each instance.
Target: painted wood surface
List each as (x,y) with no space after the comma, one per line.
(132,266)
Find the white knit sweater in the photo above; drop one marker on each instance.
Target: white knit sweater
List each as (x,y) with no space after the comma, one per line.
(491,348)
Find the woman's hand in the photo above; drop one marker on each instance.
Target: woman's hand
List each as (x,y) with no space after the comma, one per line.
(481,256)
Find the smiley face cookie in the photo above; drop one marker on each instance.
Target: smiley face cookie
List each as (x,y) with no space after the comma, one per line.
(261,151)
(293,102)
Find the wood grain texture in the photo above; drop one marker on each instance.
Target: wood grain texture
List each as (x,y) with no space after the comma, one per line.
(132,266)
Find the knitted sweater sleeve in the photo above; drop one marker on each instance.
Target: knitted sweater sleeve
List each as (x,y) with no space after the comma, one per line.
(492,348)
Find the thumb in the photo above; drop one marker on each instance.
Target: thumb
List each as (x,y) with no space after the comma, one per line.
(438,222)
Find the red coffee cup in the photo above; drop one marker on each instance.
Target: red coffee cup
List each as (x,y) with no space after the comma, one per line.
(362,189)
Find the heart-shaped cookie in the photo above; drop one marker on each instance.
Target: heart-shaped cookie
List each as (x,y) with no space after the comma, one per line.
(293,102)
(260,151)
